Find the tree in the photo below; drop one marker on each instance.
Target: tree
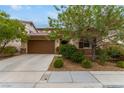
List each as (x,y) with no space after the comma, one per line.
(10,29)
(92,22)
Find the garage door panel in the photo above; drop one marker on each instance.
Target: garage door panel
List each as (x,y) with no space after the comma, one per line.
(41,46)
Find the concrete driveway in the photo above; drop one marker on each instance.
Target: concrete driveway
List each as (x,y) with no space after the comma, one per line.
(24,70)
(27,62)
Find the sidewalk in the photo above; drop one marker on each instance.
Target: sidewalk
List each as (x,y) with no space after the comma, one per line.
(64,79)
(82,79)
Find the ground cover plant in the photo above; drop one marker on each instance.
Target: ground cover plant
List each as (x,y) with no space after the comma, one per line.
(58,62)
(120,64)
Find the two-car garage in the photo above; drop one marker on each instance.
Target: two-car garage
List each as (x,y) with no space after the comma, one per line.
(41,46)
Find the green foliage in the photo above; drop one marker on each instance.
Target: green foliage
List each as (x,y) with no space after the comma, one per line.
(103,56)
(98,51)
(11,29)
(115,51)
(58,63)
(53,35)
(77,57)
(67,50)
(4,14)
(120,64)
(80,18)
(76,21)
(86,63)
(9,51)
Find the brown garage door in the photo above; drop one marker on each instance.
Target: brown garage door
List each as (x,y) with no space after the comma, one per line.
(41,46)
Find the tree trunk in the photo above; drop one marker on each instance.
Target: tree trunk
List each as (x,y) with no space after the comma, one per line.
(1,49)
(94,49)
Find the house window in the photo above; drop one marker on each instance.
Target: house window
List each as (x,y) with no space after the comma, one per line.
(84,43)
(81,44)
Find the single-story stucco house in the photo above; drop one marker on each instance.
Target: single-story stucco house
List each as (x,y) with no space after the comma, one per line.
(39,41)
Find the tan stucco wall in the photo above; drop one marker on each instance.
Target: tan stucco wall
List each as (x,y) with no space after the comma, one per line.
(15,43)
(74,42)
(57,44)
(24,46)
(29,28)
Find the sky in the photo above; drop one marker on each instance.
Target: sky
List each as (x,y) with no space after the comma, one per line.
(38,14)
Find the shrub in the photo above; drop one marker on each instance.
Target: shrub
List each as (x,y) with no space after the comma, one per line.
(77,57)
(120,64)
(86,63)
(9,51)
(103,57)
(115,51)
(67,50)
(58,63)
(98,51)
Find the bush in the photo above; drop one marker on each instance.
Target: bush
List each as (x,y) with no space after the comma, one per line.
(115,51)
(9,51)
(67,50)
(98,51)
(103,57)
(120,64)
(58,63)
(77,57)
(86,63)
